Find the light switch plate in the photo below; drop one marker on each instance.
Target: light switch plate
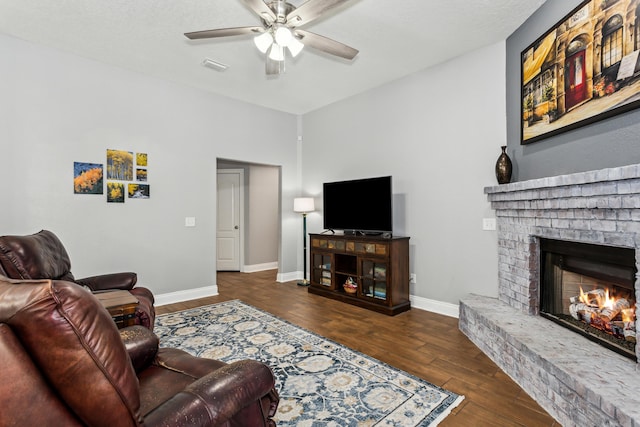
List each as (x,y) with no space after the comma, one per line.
(489,224)
(190,221)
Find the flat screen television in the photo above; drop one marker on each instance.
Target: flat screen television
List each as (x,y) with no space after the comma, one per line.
(361,205)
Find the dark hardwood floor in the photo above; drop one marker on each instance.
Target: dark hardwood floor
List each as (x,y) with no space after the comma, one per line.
(425,344)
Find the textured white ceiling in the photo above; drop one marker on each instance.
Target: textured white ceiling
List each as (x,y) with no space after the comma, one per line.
(395,38)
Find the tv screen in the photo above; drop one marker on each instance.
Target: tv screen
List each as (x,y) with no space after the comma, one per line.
(358,205)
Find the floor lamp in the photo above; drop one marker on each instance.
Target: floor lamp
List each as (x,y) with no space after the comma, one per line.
(304,205)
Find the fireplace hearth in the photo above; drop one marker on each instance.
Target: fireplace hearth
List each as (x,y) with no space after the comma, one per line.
(589,289)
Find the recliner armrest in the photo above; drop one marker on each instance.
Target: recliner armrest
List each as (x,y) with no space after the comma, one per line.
(215,398)
(141,344)
(124,281)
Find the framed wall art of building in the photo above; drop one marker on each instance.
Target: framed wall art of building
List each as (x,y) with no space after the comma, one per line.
(583,70)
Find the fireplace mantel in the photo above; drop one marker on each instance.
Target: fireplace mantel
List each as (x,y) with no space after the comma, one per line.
(599,207)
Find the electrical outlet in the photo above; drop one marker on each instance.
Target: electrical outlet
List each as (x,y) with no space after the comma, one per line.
(412,278)
(190,221)
(489,224)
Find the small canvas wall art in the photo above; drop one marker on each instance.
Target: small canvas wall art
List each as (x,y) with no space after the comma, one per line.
(139,191)
(120,165)
(141,175)
(115,192)
(87,178)
(141,159)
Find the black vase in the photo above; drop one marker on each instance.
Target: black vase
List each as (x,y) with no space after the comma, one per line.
(504,167)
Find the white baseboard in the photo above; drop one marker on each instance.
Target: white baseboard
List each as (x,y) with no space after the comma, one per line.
(186,295)
(260,267)
(288,277)
(444,308)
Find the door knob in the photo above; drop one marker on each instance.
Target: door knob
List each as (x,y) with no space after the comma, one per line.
(236,227)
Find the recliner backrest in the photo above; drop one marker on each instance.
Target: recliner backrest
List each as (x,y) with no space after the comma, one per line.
(76,346)
(25,389)
(37,256)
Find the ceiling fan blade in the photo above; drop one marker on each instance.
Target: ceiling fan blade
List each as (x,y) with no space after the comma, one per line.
(223,32)
(310,11)
(327,45)
(261,9)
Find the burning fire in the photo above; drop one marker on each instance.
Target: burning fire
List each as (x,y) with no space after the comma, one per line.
(600,310)
(601,298)
(628,315)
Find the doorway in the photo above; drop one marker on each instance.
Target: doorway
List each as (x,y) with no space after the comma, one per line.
(576,80)
(257,236)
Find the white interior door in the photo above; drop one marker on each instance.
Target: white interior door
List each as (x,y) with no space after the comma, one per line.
(228,230)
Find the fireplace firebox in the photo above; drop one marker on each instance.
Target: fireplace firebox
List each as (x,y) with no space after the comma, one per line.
(590,289)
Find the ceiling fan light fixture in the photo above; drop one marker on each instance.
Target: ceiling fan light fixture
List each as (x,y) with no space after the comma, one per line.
(295,47)
(263,41)
(283,36)
(280,31)
(277,52)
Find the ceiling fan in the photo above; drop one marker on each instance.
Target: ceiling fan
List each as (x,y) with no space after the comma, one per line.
(281,29)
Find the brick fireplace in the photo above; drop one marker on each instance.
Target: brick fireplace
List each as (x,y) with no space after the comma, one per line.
(578,381)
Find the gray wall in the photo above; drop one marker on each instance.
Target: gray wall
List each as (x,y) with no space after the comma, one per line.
(438,133)
(57,108)
(609,143)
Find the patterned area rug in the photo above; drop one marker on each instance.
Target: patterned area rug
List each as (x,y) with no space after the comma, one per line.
(320,382)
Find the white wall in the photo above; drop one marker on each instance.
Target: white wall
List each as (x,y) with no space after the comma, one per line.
(57,108)
(264,214)
(438,133)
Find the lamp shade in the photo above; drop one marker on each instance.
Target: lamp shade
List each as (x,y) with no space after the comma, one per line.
(263,41)
(283,36)
(303,204)
(276,53)
(295,46)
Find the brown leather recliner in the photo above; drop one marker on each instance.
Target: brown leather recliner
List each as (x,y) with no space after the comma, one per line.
(64,363)
(43,256)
